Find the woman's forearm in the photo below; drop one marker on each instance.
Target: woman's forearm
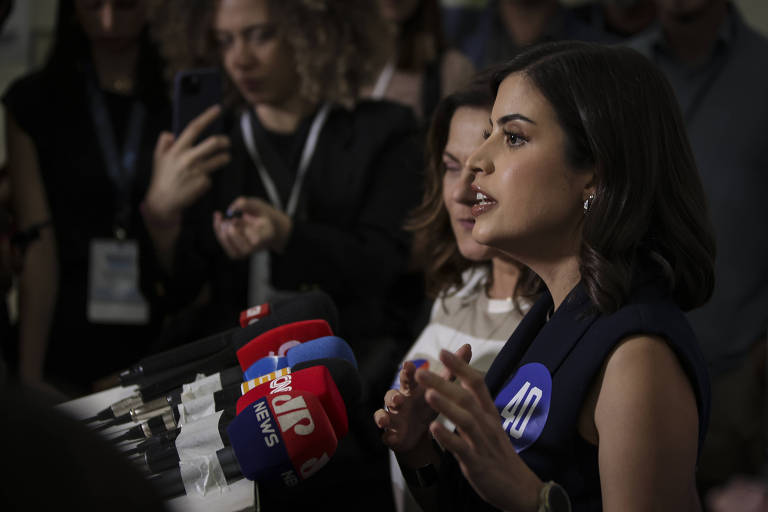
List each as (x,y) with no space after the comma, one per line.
(38,290)
(420,467)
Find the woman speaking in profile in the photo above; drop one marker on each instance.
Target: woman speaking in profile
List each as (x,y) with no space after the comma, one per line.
(599,399)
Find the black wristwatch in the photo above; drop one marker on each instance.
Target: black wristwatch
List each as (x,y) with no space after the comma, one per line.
(425,476)
(553,498)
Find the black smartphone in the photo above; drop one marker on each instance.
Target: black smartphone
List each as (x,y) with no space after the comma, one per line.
(194,91)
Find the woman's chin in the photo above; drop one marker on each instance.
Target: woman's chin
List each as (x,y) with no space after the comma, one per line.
(475,252)
(481,237)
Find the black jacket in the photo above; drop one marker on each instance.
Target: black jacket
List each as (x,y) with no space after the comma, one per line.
(347,240)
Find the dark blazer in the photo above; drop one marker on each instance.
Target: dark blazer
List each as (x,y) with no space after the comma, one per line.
(347,238)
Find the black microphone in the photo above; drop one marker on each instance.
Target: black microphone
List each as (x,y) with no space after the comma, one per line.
(118,412)
(314,304)
(116,409)
(212,430)
(222,399)
(141,412)
(170,483)
(163,383)
(159,438)
(159,408)
(266,343)
(154,426)
(280,439)
(165,455)
(159,384)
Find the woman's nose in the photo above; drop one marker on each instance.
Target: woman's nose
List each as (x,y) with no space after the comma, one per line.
(242,52)
(479,161)
(462,193)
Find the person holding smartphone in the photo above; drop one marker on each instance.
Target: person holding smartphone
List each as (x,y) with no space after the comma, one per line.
(308,188)
(304,173)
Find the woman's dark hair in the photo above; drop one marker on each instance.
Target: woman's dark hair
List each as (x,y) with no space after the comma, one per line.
(69,44)
(620,117)
(434,245)
(70,49)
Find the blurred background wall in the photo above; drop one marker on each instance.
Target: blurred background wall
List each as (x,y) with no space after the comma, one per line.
(26,35)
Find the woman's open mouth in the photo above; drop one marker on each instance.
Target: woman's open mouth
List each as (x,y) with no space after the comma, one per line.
(483,203)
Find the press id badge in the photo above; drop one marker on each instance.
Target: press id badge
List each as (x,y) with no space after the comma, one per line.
(113,277)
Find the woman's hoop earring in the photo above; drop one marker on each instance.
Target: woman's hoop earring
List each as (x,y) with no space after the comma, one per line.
(588,203)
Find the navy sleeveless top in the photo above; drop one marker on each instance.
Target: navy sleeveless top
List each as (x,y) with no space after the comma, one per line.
(541,377)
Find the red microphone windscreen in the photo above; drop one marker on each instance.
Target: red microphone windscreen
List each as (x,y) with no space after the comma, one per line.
(285,436)
(277,341)
(316,380)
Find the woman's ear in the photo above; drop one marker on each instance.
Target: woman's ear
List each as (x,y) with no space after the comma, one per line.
(589,179)
(588,192)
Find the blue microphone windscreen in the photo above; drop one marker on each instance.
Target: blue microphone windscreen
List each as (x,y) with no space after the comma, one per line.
(265,365)
(320,348)
(258,445)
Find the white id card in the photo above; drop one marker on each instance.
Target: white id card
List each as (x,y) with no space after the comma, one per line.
(113,277)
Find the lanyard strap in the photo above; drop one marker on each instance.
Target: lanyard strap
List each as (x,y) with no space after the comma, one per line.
(121,166)
(306,157)
(383,80)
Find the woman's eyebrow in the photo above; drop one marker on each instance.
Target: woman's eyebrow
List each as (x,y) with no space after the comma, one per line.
(513,117)
(248,28)
(449,155)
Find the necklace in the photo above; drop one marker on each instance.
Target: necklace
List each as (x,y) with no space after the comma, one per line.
(122,85)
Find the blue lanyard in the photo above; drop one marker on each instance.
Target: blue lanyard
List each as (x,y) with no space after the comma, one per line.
(121,166)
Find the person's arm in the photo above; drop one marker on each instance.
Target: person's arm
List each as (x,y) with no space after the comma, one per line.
(181,173)
(38,282)
(481,447)
(647,423)
(406,420)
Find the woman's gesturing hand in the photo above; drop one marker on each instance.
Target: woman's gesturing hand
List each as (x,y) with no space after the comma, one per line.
(181,169)
(260,226)
(484,452)
(407,416)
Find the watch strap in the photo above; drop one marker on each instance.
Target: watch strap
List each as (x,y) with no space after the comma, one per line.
(553,498)
(425,476)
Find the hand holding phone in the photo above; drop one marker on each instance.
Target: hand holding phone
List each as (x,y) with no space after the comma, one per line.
(181,168)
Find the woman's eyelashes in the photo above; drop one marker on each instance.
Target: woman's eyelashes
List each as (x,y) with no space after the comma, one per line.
(253,36)
(260,34)
(514,139)
(511,138)
(450,165)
